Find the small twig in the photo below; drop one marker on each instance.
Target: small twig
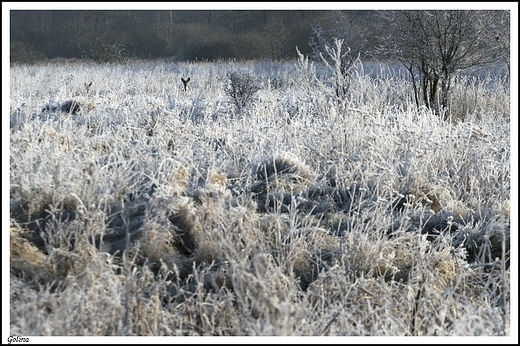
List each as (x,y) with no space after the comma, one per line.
(330,322)
(415,310)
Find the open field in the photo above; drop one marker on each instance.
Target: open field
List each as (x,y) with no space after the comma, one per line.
(141,208)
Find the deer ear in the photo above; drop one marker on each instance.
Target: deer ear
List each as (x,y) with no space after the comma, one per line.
(182,79)
(187,80)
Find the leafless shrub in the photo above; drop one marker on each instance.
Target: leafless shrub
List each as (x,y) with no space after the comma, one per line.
(242,88)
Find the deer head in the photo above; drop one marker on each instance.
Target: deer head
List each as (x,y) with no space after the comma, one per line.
(87,86)
(185,82)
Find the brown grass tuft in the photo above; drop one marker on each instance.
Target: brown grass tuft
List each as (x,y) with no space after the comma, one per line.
(26,259)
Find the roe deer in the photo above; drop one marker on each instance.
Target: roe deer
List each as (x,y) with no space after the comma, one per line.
(185,82)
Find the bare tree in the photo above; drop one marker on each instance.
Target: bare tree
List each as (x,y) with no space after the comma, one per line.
(339,48)
(334,59)
(435,46)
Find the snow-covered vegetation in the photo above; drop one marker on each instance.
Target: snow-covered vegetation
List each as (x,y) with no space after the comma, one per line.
(141,208)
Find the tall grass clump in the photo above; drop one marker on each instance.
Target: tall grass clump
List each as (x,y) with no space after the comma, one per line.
(155,211)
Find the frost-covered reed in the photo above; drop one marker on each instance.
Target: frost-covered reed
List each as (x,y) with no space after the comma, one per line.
(155,210)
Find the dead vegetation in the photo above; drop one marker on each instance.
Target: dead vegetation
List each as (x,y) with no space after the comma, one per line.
(175,234)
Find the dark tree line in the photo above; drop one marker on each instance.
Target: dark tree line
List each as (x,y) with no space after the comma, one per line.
(181,35)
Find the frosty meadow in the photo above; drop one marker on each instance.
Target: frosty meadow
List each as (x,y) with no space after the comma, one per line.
(255,201)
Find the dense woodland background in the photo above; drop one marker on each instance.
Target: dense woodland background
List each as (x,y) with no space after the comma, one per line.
(181,35)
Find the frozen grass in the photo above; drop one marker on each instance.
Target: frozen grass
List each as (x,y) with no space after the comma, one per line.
(158,211)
